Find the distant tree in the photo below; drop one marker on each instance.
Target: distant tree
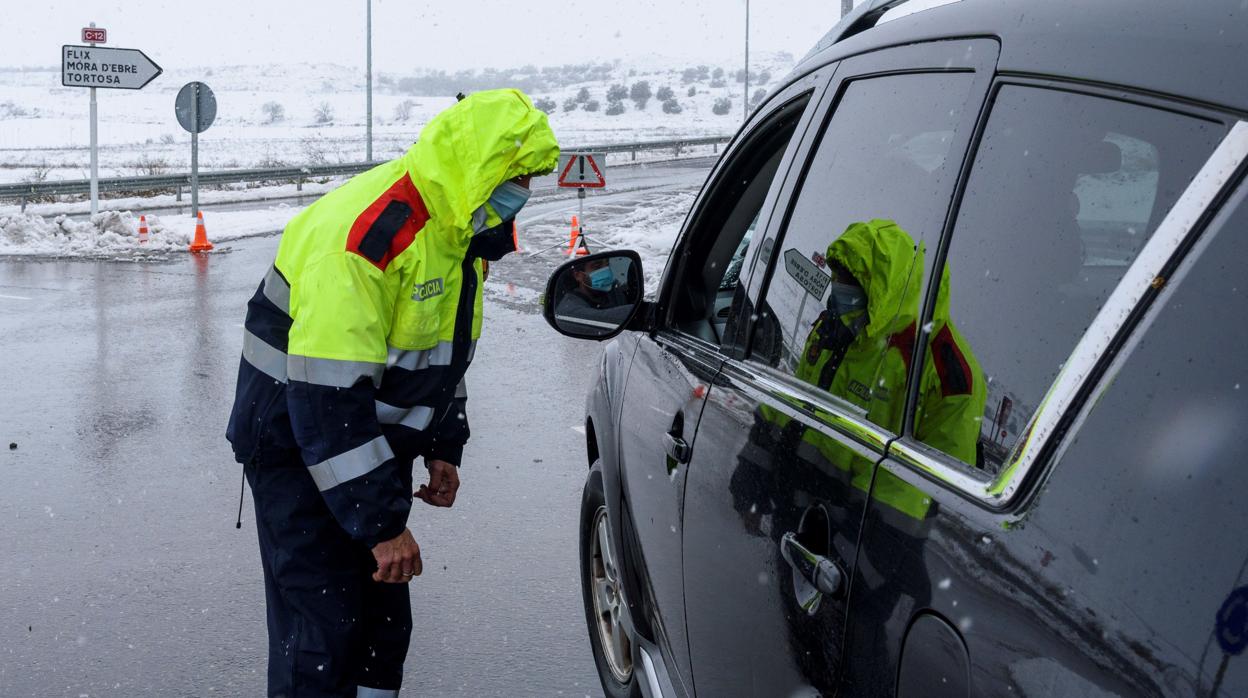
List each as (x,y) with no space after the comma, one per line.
(764,77)
(617,93)
(582,96)
(665,93)
(689,75)
(570,104)
(757,98)
(591,105)
(615,108)
(692,91)
(718,73)
(704,72)
(273,112)
(718,82)
(671,106)
(722,106)
(640,93)
(403,110)
(546,104)
(324,113)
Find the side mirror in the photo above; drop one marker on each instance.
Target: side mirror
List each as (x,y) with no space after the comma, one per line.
(595,297)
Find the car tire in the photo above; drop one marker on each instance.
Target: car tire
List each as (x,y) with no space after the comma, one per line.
(603,592)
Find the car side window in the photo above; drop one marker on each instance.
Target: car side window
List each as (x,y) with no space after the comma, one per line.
(711,263)
(1064,190)
(840,309)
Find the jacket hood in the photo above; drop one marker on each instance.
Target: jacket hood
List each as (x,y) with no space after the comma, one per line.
(888,265)
(469,149)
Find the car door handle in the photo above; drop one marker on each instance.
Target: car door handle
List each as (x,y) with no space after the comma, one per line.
(676,448)
(817,570)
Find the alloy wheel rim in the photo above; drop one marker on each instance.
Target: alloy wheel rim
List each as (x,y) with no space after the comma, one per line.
(608,601)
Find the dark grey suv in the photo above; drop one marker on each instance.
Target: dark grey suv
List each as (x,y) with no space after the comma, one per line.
(942,388)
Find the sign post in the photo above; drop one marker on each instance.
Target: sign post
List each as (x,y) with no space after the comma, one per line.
(807,274)
(92,67)
(196,109)
(582,171)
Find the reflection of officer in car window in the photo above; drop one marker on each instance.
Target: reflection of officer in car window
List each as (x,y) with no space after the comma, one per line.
(860,348)
(595,293)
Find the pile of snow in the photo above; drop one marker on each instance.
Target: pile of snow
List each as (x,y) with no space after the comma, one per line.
(115,234)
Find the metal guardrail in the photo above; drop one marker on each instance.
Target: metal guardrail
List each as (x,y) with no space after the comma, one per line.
(25,191)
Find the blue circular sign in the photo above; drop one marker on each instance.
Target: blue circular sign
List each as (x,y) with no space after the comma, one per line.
(1232,627)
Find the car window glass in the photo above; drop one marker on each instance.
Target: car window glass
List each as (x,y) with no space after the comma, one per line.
(711,270)
(1064,190)
(840,310)
(1143,517)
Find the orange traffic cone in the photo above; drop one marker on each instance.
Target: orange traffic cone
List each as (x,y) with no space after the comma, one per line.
(576,245)
(142,230)
(515,237)
(575,238)
(200,243)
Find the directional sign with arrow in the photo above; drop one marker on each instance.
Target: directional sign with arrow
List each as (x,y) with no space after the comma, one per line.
(117,68)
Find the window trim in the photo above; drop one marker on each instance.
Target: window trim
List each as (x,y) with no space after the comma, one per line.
(813,407)
(1112,325)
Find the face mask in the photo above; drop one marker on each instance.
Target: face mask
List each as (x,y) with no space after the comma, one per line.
(602,279)
(492,244)
(846,298)
(508,199)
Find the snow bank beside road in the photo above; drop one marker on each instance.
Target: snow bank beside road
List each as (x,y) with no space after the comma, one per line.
(114,234)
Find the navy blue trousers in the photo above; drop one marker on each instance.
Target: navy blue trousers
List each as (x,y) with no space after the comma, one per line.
(332,629)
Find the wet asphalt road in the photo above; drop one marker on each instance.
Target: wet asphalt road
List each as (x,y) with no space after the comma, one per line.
(123,573)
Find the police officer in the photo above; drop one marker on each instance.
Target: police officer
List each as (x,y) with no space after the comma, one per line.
(354,355)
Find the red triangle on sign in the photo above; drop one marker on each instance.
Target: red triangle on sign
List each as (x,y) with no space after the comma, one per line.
(579,179)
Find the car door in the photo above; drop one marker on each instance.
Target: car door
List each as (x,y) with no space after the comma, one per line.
(673,367)
(777,488)
(1105,578)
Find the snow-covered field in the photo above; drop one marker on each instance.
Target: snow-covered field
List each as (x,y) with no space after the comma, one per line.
(44,126)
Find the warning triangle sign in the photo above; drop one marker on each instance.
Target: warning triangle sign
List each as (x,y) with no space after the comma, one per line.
(582,170)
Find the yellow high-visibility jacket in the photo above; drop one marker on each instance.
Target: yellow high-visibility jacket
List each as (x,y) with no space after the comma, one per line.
(358,338)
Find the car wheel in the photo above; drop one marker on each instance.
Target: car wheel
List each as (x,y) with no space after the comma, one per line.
(601,585)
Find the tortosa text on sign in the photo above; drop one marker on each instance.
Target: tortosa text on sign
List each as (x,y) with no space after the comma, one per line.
(93,66)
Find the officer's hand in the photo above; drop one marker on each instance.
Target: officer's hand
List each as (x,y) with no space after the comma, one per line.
(443,484)
(398,559)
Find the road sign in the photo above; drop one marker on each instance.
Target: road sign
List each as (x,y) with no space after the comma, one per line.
(196,108)
(117,68)
(94,35)
(806,273)
(583,170)
(195,115)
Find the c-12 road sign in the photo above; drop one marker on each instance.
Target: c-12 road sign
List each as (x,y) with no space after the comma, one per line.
(583,170)
(95,66)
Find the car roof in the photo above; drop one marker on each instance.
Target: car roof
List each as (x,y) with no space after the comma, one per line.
(1190,50)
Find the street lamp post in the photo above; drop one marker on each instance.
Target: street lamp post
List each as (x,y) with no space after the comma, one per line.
(368,155)
(745,101)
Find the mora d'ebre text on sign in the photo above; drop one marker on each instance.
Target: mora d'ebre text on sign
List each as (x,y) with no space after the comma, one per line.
(80,67)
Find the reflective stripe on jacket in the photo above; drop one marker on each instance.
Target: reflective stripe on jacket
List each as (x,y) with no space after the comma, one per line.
(358,338)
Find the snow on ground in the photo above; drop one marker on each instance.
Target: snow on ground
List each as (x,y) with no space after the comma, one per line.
(44,126)
(114,234)
(648,226)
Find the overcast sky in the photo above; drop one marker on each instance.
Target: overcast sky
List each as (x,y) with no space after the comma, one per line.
(409,34)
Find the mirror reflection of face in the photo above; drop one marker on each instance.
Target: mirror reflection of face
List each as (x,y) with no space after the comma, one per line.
(583,272)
